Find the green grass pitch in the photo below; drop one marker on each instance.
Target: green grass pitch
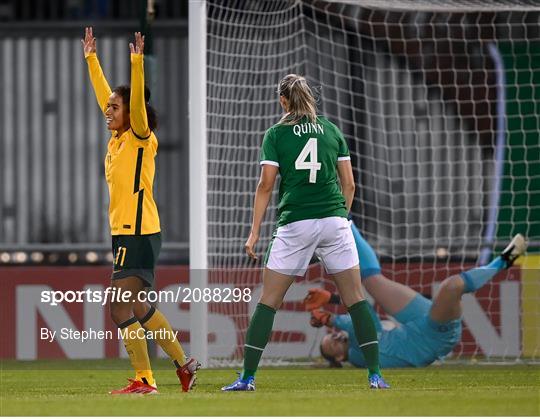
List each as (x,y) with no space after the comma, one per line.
(80,388)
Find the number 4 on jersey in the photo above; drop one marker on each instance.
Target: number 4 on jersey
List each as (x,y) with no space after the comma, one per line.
(301,163)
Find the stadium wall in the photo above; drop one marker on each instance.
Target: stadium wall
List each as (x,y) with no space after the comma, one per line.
(501,320)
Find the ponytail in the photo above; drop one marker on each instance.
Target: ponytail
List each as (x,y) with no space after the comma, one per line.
(300,97)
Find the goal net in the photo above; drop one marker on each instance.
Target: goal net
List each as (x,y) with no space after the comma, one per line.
(439,102)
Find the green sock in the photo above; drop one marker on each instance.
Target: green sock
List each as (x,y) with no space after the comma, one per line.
(366,335)
(257,336)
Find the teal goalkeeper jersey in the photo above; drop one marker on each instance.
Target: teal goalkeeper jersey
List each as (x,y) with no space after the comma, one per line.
(307,156)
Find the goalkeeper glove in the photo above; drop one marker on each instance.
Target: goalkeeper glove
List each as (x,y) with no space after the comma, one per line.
(316,298)
(320,318)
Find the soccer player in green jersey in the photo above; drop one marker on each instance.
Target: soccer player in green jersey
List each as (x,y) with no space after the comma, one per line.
(315,196)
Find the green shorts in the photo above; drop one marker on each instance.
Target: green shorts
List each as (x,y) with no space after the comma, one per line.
(136,256)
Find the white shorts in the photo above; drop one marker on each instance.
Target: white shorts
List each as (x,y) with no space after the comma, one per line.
(330,239)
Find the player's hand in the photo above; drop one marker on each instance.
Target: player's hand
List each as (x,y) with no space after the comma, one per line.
(250,245)
(320,318)
(138,48)
(89,42)
(316,298)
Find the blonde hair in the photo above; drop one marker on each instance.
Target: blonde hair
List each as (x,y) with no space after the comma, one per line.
(301,100)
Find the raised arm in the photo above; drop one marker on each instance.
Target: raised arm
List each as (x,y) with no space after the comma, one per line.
(137,105)
(99,82)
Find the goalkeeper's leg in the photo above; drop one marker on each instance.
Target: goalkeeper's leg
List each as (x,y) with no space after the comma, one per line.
(447,304)
(392,296)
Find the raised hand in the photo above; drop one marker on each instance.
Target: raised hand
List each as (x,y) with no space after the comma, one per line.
(138,48)
(320,318)
(316,298)
(89,42)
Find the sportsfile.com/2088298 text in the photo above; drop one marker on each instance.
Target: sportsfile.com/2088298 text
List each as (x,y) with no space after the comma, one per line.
(180,295)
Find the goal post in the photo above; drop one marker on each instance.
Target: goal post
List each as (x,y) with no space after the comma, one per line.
(438,101)
(198,243)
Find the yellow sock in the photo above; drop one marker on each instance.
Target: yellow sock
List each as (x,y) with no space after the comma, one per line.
(135,342)
(156,321)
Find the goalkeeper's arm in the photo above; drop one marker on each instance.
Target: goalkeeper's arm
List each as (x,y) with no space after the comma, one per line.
(320,318)
(318,297)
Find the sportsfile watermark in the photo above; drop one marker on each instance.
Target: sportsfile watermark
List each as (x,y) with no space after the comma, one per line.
(117,295)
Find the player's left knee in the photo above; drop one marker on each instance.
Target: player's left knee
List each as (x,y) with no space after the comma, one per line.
(453,284)
(271,301)
(140,309)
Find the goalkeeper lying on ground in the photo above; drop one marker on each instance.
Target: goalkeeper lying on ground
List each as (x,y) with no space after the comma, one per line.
(427,330)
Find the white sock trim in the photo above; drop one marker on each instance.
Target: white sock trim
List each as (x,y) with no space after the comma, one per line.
(253,347)
(369,343)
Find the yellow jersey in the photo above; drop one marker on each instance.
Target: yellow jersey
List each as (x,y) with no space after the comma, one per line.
(130,160)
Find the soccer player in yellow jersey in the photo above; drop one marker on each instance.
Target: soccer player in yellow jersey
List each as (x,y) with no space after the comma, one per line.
(134,219)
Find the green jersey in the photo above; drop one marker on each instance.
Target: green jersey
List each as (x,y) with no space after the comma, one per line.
(307,155)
